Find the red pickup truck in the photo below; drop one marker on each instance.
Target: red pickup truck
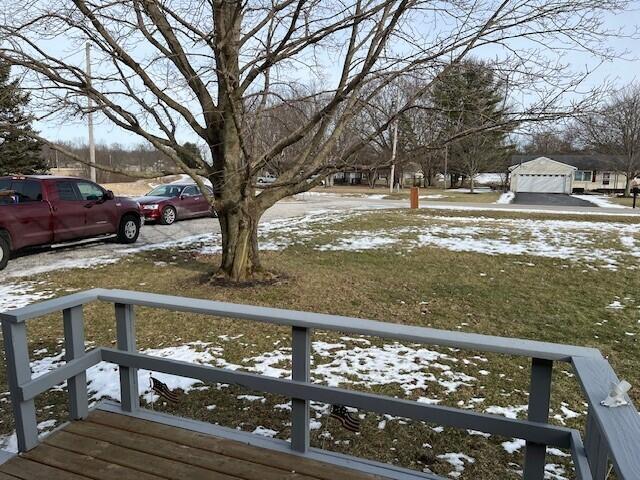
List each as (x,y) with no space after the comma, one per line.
(45,210)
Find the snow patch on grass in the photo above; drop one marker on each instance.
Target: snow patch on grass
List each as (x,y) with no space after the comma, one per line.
(358,244)
(600,200)
(18,295)
(506,198)
(458,461)
(102,379)
(410,367)
(514,445)
(509,412)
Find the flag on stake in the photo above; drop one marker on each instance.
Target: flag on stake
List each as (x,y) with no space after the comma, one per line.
(163,390)
(340,413)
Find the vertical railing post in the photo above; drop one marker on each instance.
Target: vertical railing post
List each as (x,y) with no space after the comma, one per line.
(300,372)
(19,372)
(74,348)
(596,449)
(539,398)
(126,340)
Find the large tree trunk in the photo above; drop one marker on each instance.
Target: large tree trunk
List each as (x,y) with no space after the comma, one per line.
(627,186)
(240,255)
(372,178)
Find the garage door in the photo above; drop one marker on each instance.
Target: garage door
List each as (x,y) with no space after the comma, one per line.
(541,183)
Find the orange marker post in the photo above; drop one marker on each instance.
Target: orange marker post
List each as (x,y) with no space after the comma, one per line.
(414,197)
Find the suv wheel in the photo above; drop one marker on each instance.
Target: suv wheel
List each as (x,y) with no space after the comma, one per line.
(129,229)
(168,216)
(4,252)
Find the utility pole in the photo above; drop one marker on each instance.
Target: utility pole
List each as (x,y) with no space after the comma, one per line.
(446,159)
(92,145)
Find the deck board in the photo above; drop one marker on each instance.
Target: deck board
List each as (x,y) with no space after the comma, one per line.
(26,469)
(109,446)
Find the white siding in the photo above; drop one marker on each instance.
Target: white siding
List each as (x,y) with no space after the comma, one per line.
(617,181)
(542,175)
(542,183)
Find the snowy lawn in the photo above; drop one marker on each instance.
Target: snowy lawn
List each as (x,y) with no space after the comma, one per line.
(562,279)
(430,194)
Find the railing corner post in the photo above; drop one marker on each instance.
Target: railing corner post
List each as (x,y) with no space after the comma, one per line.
(539,400)
(18,373)
(300,372)
(126,340)
(595,448)
(75,348)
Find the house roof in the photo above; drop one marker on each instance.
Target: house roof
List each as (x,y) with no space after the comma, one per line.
(542,165)
(581,161)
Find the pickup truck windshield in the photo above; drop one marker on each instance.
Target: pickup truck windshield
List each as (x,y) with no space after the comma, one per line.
(166,191)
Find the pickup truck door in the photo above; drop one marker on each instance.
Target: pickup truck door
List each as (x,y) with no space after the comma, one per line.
(100,213)
(69,215)
(32,224)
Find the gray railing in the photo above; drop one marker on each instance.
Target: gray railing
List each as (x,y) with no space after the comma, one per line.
(612,434)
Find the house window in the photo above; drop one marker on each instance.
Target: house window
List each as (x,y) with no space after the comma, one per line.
(583,176)
(606,178)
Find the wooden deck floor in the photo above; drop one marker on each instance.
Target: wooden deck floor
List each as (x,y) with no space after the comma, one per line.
(109,446)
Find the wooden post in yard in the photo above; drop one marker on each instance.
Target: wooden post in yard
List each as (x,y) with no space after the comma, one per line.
(414,197)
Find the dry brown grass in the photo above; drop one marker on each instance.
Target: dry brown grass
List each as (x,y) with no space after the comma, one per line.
(543,302)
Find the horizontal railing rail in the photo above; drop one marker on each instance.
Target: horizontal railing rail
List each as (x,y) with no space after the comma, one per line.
(613,434)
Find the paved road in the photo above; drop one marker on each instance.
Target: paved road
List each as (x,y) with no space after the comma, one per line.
(101,252)
(555,199)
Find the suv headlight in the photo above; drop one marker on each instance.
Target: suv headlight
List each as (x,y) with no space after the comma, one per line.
(150,207)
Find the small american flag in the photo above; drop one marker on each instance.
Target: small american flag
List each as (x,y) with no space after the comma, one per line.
(340,413)
(163,390)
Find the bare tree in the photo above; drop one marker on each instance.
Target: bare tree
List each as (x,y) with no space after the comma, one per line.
(558,139)
(211,69)
(615,129)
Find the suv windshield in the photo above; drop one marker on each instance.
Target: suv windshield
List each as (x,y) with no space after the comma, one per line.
(166,191)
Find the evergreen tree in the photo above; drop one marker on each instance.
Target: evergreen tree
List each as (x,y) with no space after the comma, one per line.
(19,152)
(471,98)
(191,155)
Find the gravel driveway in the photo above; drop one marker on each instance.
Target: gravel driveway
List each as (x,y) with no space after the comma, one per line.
(94,252)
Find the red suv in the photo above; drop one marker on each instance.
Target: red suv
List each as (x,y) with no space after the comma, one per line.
(45,210)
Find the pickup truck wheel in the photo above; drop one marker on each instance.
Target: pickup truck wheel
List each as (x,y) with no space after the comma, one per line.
(168,216)
(4,252)
(129,229)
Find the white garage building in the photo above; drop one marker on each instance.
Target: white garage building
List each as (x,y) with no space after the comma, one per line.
(542,175)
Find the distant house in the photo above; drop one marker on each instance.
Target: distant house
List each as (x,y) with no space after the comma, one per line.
(410,173)
(542,175)
(596,173)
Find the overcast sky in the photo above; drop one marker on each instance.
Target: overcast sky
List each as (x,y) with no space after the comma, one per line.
(620,72)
